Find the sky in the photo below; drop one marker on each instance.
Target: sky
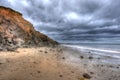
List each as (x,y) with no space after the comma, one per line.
(72,21)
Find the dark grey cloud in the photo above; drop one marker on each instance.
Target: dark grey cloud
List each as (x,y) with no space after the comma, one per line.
(66,20)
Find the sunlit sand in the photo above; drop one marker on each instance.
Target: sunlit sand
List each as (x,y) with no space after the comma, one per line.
(61,63)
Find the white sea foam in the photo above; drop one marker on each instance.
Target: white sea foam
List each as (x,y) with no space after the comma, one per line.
(94,49)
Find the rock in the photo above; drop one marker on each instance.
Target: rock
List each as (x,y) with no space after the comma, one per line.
(91,72)
(90,57)
(46,52)
(81,57)
(60,75)
(87,76)
(63,58)
(72,71)
(11,49)
(15,31)
(38,72)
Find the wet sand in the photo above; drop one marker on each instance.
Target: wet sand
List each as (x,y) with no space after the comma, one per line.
(45,63)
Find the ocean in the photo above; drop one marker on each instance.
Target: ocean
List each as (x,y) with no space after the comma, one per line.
(109,53)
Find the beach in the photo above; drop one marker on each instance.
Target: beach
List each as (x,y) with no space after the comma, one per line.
(59,63)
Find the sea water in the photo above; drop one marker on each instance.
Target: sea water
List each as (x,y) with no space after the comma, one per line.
(109,53)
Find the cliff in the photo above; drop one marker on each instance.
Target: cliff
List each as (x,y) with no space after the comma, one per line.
(16,32)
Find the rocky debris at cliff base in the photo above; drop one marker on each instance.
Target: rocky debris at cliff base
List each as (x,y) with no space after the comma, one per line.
(16,32)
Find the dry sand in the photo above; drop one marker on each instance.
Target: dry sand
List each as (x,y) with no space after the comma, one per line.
(45,63)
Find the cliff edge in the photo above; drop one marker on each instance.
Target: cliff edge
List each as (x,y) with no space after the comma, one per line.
(16,32)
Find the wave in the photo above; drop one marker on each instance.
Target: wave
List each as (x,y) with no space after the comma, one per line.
(105,54)
(95,49)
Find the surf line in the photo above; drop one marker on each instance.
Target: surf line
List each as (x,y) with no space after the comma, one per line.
(95,49)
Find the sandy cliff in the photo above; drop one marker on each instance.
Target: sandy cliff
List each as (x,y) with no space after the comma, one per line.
(15,31)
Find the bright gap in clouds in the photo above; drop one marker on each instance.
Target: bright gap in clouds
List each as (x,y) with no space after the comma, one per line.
(72,16)
(46,2)
(75,17)
(25,3)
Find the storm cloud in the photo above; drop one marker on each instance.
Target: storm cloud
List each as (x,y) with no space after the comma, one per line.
(71,20)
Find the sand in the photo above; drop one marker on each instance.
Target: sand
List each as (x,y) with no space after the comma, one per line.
(60,63)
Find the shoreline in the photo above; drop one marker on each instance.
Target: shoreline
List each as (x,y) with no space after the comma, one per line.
(60,63)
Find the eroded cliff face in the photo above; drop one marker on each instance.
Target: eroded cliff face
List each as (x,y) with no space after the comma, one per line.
(15,31)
